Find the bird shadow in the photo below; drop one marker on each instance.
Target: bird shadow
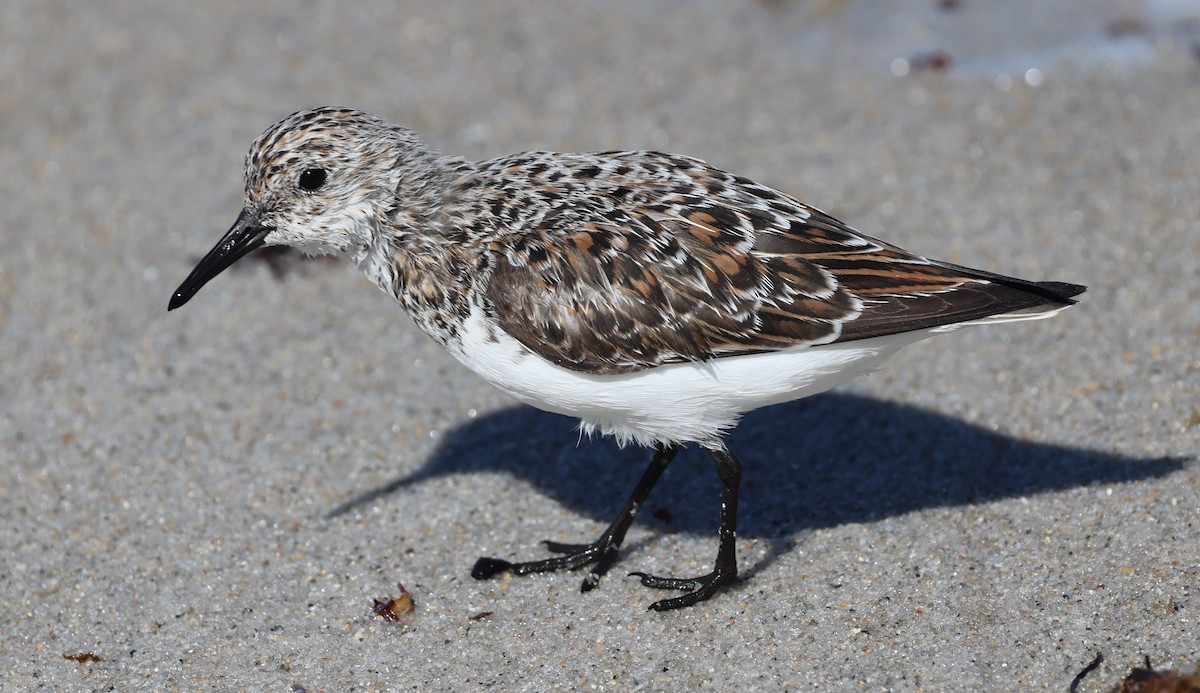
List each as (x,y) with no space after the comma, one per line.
(818,462)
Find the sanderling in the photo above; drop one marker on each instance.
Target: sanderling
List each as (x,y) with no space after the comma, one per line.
(652,296)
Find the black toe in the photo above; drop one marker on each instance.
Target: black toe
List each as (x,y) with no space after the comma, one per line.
(486,568)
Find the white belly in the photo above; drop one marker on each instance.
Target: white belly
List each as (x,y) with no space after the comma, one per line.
(678,403)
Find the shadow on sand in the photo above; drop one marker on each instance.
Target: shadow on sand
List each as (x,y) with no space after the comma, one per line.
(817,462)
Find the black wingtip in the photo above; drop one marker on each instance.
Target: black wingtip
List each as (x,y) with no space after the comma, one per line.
(1061,291)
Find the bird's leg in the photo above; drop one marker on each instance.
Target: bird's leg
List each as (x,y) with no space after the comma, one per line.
(603,551)
(729,470)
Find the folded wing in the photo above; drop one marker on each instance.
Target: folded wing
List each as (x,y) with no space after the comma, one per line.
(663,259)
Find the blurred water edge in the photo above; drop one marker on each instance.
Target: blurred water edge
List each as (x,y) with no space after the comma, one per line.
(1020,39)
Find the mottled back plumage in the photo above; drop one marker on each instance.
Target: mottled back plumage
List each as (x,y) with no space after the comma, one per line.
(618,261)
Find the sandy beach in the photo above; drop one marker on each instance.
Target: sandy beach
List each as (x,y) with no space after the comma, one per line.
(212,499)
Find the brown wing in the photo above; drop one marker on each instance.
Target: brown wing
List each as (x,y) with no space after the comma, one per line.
(685,262)
(902,292)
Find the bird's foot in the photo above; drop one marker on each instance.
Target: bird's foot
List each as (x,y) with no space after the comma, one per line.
(602,552)
(698,588)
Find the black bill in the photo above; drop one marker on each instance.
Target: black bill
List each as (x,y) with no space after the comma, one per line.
(246,235)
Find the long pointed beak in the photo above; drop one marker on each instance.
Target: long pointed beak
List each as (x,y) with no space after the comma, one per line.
(245,235)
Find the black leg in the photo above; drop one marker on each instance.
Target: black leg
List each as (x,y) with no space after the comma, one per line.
(603,551)
(729,470)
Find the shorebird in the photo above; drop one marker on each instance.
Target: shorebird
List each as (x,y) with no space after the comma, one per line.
(652,296)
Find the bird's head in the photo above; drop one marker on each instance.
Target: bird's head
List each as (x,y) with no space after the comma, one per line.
(323,181)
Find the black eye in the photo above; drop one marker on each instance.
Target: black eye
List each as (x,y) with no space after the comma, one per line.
(312,178)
